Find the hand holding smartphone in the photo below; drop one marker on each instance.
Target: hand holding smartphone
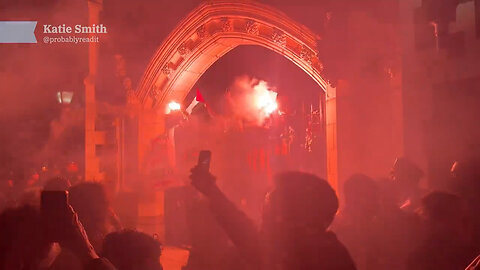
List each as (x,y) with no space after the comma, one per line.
(61,224)
(202,180)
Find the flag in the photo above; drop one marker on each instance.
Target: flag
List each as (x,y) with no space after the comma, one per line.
(199,99)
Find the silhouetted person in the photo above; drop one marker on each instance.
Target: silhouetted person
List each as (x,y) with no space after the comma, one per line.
(24,245)
(447,243)
(57,184)
(407,176)
(90,201)
(132,250)
(3,201)
(399,230)
(210,246)
(297,213)
(466,183)
(357,224)
(22,242)
(475,265)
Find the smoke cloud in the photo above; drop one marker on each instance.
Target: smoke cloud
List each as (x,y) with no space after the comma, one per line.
(251,99)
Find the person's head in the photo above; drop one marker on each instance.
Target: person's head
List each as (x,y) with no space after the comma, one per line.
(57,184)
(466,173)
(299,204)
(406,173)
(90,202)
(89,199)
(389,196)
(22,242)
(361,195)
(132,250)
(444,213)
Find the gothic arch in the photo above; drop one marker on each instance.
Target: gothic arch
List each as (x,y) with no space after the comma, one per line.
(213,29)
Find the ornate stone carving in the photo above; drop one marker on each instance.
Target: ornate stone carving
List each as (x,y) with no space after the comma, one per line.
(166,69)
(154,94)
(251,27)
(227,25)
(202,32)
(306,54)
(183,49)
(279,37)
(318,67)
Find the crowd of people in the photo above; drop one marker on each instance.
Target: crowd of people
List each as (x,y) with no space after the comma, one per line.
(382,224)
(84,234)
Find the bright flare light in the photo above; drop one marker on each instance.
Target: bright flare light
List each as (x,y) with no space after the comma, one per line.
(173,106)
(265,99)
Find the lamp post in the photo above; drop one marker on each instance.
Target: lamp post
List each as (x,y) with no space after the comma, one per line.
(64,97)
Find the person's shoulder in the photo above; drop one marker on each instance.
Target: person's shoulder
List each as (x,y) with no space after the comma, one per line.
(343,259)
(420,256)
(100,264)
(475,265)
(65,259)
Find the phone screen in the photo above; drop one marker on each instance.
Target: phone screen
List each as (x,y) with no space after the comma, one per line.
(204,158)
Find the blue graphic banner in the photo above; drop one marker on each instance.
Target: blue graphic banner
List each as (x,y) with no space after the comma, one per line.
(17,32)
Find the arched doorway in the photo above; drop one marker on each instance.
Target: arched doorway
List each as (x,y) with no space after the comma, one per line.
(208,33)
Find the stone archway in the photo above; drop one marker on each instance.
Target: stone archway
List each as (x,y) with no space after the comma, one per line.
(208,33)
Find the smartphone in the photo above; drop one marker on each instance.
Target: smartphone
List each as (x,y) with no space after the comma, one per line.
(204,158)
(53,209)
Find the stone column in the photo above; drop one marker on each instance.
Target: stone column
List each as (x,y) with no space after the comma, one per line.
(331,130)
(91,161)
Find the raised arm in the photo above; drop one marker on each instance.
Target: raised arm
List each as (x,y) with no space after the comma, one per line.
(236,224)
